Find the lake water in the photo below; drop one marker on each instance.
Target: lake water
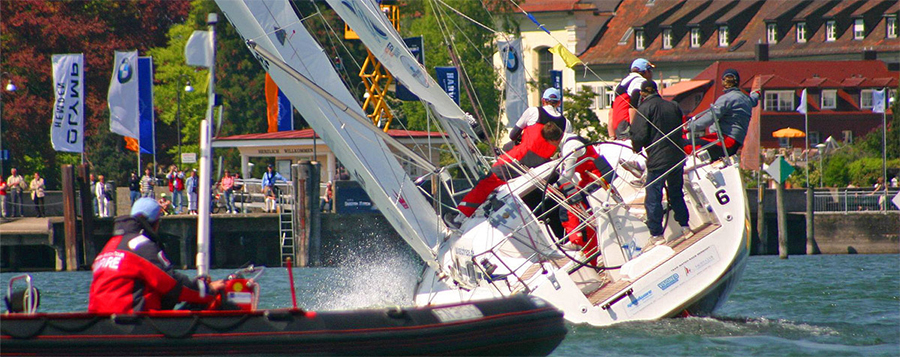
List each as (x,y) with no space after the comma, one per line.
(834,305)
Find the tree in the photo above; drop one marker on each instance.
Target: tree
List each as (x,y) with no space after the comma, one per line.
(577,108)
(31,31)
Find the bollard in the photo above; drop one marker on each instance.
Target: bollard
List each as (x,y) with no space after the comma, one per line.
(763,247)
(811,246)
(782,222)
(314,227)
(70,218)
(87,220)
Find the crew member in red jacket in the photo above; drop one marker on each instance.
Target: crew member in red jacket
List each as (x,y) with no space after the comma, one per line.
(581,165)
(132,273)
(539,143)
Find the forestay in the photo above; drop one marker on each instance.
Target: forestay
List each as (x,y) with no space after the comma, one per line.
(377,33)
(275,28)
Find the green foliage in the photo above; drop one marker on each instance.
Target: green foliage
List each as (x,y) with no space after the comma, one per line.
(577,108)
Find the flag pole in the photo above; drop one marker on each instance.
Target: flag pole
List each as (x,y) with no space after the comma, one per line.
(203,221)
(884,102)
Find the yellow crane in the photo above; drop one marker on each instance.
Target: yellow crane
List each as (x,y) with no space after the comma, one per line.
(376,79)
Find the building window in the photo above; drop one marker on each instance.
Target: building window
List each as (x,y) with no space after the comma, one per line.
(723,36)
(801,32)
(830,31)
(890,27)
(667,38)
(545,65)
(784,142)
(865,99)
(814,138)
(780,101)
(847,136)
(639,40)
(695,37)
(771,34)
(596,99)
(859,29)
(829,99)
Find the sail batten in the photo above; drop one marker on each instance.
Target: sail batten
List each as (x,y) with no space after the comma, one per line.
(277,31)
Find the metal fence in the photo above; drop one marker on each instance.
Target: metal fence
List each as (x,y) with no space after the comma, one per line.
(850,200)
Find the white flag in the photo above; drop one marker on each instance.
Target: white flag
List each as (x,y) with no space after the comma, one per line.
(878,102)
(123,96)
(802,107)
(198,51)
(67,131)
(516,95)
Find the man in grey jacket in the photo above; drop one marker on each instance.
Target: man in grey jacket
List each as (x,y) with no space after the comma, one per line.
(732,110)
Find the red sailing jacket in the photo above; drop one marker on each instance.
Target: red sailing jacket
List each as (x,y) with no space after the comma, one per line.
(532,152)
(132,274)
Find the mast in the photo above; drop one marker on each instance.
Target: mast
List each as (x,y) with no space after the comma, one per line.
(203,211)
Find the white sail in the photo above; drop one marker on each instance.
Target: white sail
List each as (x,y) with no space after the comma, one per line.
(377,33)
(275,29)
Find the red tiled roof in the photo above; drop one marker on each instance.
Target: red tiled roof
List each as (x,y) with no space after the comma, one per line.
(880,82)
(682,87)
(792,75)
(687,12)
(747,25)
(309,133)
(557,5)
(872,5)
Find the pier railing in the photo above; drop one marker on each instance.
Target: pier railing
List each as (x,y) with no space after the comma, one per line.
(854,200)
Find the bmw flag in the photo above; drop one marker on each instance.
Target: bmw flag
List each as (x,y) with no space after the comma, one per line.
(123,95)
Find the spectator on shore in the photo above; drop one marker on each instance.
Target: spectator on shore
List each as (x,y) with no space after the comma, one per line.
(326,202)
(37,194)
(16,187)
(191,186)
(895,182)
(92,185)
(147,183)
(2,197)
(226,185)
(102,197)
(270,192)
(341,174)
(176,187)
(165,204)
(134,187)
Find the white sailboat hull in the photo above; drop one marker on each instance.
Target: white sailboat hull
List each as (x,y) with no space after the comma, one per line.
(690,276)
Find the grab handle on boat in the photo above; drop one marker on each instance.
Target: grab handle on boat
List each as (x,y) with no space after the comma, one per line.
(617,298)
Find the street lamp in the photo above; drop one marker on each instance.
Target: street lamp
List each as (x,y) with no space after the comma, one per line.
(187,88)
(10,87)
(821,147)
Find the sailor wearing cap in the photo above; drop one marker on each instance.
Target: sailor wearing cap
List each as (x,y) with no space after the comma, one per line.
(628,97)
(132,272)
(546,113)
(732,110)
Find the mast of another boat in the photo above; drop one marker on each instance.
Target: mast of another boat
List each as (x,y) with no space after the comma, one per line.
(203,211)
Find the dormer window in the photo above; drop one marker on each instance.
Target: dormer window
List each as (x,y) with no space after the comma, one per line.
(771,34)
(667,39)
(801,32)
(830,31)
(859,29)
(695,37)
(723,36)
(639,40)
(890,27)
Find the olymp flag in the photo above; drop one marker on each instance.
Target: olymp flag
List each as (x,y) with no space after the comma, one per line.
(123,95)
(198,51)
(279,113)
(67,131)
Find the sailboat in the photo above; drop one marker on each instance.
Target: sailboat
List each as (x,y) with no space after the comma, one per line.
(509,246)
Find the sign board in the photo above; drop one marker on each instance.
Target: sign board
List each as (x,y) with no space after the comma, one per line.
(189,157)
(896,200)
(349,198)
(780,169)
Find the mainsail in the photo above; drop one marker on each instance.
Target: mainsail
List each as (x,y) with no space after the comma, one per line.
(301,68)
(377,33)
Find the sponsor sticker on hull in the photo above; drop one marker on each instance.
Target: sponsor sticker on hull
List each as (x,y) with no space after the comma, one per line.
(679,276)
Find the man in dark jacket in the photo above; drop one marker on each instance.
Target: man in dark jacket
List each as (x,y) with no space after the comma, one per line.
(132,272)
(656,128)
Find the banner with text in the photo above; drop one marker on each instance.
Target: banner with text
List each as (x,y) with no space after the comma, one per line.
(123,95)
(556,82)
(67,131)
(448,79)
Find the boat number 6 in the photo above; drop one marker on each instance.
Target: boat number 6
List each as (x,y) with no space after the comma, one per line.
(722,196)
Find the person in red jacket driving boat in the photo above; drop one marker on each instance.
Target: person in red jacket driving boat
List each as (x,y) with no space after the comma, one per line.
(132,272)
(539,143)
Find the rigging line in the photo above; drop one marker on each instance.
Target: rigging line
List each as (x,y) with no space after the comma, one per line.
(495,32)
(334,33)
(331,35)
(465,72)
